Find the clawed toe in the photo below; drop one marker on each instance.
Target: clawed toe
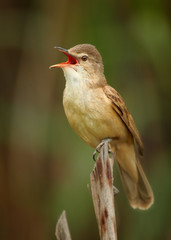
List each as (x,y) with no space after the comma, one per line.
(97,150)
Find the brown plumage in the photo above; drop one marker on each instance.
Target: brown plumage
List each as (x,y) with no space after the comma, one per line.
(120,107)
(96,111)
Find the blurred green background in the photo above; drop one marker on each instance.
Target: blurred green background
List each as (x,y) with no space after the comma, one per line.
(44,166)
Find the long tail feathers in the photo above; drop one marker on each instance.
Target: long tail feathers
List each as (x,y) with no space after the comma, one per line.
(139,193)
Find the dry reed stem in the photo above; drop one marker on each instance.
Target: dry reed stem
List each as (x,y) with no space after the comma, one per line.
(62,229)
(101,180)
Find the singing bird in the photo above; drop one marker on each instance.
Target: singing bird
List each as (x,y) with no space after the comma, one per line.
(97,112)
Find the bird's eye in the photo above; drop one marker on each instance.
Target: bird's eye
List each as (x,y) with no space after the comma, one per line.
(84,58)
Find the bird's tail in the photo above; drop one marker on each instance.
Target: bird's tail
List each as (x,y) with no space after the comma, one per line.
(138,190)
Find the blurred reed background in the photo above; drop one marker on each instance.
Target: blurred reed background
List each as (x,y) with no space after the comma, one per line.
(44,166)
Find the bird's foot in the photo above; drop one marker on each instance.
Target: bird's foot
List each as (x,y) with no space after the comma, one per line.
(100,145)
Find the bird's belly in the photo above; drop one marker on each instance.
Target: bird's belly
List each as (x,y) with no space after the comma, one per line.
(95,121)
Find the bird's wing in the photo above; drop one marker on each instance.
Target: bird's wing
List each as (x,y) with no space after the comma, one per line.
(119,106)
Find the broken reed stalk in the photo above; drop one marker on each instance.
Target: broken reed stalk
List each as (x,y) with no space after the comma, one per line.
(101,179)
(62,229)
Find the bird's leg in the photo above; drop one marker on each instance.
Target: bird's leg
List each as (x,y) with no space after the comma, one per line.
(100,145)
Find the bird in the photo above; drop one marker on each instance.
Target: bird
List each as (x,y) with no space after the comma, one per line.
(97,113)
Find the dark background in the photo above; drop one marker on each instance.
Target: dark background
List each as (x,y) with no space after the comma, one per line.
(44,166)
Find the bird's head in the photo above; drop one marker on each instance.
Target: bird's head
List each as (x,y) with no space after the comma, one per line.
(83,60)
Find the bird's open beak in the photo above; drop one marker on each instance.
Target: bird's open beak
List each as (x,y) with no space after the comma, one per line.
(71,59)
